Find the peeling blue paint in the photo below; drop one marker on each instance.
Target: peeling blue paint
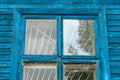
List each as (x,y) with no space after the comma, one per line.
(105,13)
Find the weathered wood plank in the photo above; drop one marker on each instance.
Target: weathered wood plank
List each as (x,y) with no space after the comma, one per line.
(114,64)
(47,1)
(62,11)
(113,34)
(5,58)
(104,46)
(4,70)
(61,1)
(6,40)
(6,17)
(15,56)
(6,45)
(113,17)
(115,71)
(113,28)
(5,64)
(114,52)
(50,6)
(5,53)
(117,53)
(112,23)
(6,23)
(6,34)
(113,12)
(115,76)
(113,40)
(6,28)
(61,6)
(5,50)
(114,59)
(4,76)
(114,46)
(7,11)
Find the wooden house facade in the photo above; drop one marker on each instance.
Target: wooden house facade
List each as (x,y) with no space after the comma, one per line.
(14,15)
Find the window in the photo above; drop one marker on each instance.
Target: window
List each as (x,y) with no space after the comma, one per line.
(37,71)
(40,37)
(59,48)
(78,37)
(79,72)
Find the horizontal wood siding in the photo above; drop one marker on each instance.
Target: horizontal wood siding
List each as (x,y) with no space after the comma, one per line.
(61,1)
(113,28)
(6,40)
(63,7)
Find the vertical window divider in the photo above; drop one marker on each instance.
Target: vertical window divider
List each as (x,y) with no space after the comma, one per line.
(59,47)
(59,69)
(59,36)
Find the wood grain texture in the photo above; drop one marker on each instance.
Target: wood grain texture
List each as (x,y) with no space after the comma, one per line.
(113,28)
(9,34)
(61,1)
(6,42)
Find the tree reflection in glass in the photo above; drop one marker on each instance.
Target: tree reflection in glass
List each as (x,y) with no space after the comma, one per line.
(78,37)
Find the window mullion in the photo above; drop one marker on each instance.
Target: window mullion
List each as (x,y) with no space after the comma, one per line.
(59,36)
(59,47)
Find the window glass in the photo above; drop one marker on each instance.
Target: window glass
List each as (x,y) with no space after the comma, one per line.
(40,37)
(78,37)
(79,72)
(39,71)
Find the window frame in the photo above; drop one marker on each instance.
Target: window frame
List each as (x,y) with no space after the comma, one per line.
(59,31)
(23,29)
(96,46)
(60,61)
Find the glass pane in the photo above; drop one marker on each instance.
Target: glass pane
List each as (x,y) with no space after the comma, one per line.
(39,71)
(79,72)
(78,37)
(40,37)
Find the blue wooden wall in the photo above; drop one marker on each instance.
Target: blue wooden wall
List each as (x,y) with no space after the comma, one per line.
(6,42)
(113,29)
(7,35)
